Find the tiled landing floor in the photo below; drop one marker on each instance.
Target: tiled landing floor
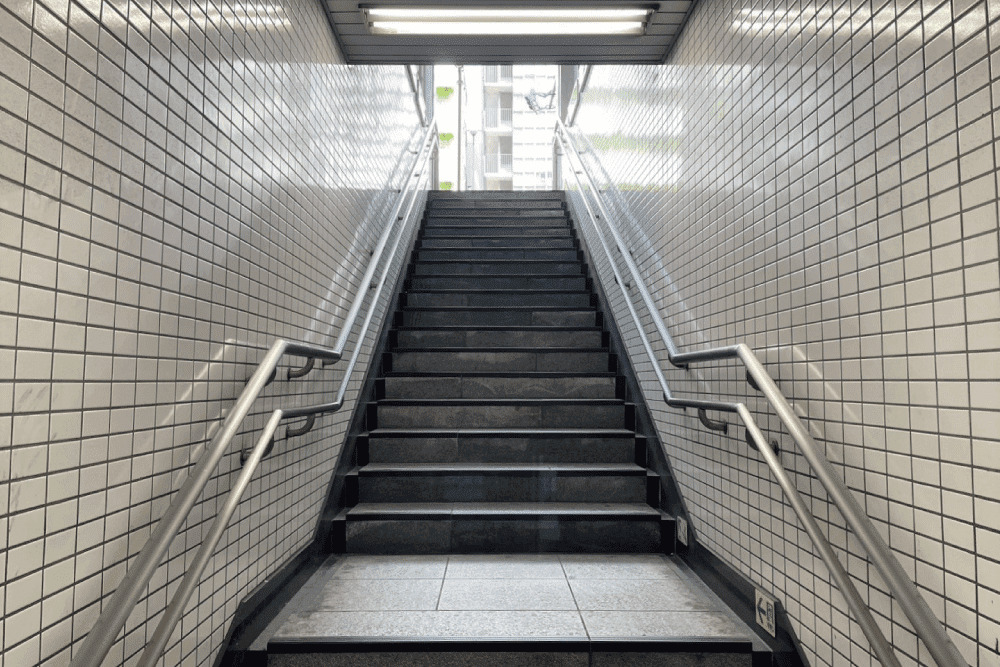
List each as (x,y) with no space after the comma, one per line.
(505,597)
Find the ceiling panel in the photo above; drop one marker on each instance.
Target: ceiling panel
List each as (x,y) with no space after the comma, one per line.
(360,46)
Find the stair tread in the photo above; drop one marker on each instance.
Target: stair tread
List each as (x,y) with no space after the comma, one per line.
(516,260)
(502,432)
(496,468)
(575,309)
(530,276)
(503,290)
(496,212)
(478,237)
(505,509)
(557,350)
(495,327)
(498,401)
(530,375)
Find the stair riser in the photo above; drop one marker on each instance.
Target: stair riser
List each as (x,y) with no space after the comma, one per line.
(470,449)
(500,416)
(499,222)
(488,387)
(501,338)
(480,254)
(472,488)
(440,212)
(498,318)
(521,231)
(419,536)
(506,204)
(497,300)
(402,657)
(498,282)
(566,243)
(514,197)
(506,362)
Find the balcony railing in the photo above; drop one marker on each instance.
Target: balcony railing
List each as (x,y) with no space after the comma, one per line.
(498,163)
(498,117)
(498,74)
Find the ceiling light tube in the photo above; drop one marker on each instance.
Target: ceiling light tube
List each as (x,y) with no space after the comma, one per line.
(507,21)
(506,28)
(503,14)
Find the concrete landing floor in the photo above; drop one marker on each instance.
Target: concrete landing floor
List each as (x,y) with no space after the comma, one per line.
(521,598)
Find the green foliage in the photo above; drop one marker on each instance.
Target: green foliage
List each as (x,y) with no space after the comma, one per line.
(444,92)
(445,185)
(445,139)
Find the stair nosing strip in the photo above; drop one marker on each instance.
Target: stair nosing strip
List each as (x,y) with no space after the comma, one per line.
(506,309)
(498,401)
(496,327)
(507,290)
(495,510)
(504,432)
(506,374)
(610,469)
(492,275)
(560,350)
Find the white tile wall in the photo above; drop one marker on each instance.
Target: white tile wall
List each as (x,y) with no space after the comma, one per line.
(180,183)
(819,180)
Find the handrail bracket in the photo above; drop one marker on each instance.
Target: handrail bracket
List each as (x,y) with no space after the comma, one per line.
(753,443)
(715,425)
(295,431)
(303,371)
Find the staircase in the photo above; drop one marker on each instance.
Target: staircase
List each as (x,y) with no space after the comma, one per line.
(498,423)
(498,509)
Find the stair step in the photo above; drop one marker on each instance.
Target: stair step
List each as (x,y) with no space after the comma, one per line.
(479,254)
(518,386)
(471,360)
(521,204)
(510,317)
(498,446)
(568,469)
(497,266)
(536,337)
(521,230)
(516,196)
(454,242)
(486,212)
(496,527)
(455,226)
(501,413)
(498,282)
(527,651)
(502,482)
(496,298)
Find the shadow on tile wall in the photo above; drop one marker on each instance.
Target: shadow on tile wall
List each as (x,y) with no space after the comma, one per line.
(180,183)
(821,184)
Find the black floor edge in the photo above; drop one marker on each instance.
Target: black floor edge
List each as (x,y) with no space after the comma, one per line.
(461,645)
(738,593)
(259,609)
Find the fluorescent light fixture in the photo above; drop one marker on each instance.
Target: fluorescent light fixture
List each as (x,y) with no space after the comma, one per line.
(507,21)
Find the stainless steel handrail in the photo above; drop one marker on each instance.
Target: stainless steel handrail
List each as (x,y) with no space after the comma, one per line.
(928,628)
(117,609)
(579,94)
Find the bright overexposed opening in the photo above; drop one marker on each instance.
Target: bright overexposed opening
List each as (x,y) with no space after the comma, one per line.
(507,21)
